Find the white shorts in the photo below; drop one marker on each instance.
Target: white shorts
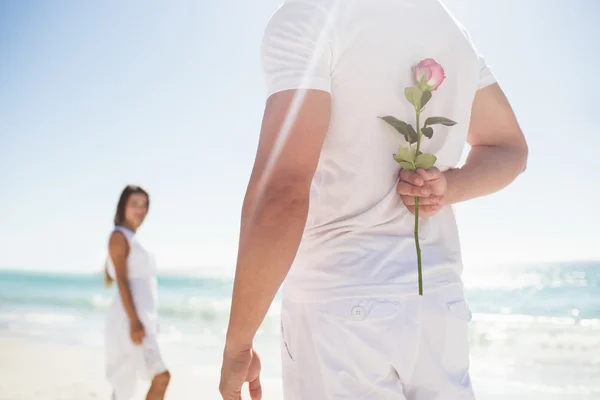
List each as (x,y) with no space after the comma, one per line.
(411,348)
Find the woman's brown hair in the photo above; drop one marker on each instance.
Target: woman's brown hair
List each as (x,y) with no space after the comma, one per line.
(120,218)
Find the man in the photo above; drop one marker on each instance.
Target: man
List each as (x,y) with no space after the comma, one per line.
(328,207)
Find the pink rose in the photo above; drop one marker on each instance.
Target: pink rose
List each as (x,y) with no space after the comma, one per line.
(429,74)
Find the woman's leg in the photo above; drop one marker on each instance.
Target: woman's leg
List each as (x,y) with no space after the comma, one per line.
(120,357)
(159,386)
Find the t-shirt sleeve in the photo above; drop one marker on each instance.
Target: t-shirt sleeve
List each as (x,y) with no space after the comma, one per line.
(296,51)
(486,75)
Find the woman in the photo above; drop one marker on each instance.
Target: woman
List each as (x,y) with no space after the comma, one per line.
(131,325)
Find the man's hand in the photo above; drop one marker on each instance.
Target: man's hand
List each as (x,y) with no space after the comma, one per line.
(239,367)
(429,185)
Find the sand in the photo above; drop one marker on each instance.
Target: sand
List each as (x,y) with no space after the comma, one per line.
(38,370)
(31,369)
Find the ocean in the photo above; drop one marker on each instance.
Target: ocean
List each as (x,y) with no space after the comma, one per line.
(535,332)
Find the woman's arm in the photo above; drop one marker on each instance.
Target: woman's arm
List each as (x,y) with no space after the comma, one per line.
(118,248)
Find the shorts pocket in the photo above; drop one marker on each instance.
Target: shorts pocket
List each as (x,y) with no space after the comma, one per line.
(455,353)
(289,367)
(460,309)
(285,328)
(356,340)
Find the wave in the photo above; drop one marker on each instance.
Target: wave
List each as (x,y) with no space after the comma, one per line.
(503,277)
(214,305)
(508,328)
(556,294)
(534,277)
(32,279)
(537,339)
(193,307)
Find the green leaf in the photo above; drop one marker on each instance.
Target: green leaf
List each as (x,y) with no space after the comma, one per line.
(406,154)
(404,164)
(413,135)
(427,132)
(403,128)
(413,95)
(425,98)
(425,161)
(440,121)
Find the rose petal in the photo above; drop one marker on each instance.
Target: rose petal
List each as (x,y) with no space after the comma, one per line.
(428,62)
(437,76)
(431,71)
(422,73)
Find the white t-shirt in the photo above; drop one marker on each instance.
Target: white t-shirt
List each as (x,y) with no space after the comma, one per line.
(359,236)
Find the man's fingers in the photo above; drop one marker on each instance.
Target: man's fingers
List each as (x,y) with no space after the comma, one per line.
(423,201)
(420,176)
(429,174)
(412,177)
(413,184)
(407,189)
(232,396)
(229,394)
(255,389)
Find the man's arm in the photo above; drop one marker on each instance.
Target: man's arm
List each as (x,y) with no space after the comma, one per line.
(275,207)
(498,149)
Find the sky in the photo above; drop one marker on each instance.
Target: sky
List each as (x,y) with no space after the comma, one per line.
(170,95)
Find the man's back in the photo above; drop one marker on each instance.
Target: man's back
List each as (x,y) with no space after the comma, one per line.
(359,237)
(352,324)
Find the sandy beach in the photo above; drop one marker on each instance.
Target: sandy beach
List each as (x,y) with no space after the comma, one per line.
(31,369)
(48,371)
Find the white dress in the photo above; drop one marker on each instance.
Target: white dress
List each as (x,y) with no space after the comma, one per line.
(125,361)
